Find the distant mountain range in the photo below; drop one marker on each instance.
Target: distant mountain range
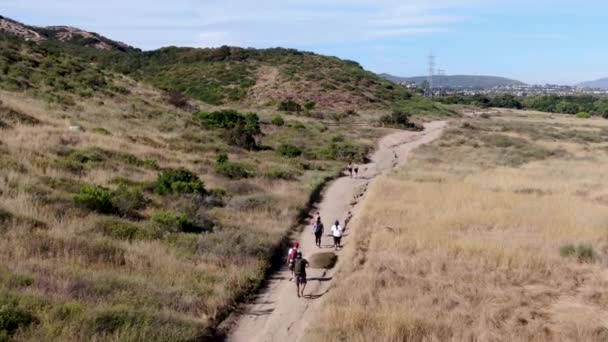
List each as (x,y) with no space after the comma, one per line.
(458,81)
(602,83)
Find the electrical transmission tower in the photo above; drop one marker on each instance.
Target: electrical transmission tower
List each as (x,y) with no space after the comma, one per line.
(431,59)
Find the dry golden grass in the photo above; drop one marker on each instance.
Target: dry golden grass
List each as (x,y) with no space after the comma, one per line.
(464,243)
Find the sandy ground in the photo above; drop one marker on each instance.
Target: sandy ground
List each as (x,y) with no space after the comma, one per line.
(278,314)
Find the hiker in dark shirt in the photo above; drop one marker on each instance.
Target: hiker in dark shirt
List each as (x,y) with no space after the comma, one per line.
(318,231)
(300,272)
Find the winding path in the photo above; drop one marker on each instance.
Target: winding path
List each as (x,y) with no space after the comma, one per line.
(278,314)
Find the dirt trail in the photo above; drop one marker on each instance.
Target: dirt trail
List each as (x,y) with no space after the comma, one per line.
(277,313)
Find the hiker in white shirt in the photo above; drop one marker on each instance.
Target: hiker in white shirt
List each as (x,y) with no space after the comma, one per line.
(336,232)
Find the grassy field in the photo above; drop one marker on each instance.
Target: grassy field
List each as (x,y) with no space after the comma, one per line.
(495,232)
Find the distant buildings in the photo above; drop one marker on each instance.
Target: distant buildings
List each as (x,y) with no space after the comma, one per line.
(517,90)
(529,90)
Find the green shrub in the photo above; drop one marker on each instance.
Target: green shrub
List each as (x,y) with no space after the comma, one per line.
(176,223)
(122,230)
(278,121)
(221,158)
(178,181)
(289,151)
(583,115)
(95,198)
(218,119)
(232,170)
(12,319)
(584,253)
(310,105)
(228,119)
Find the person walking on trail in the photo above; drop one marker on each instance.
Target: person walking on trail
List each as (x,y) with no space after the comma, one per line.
(355,170)
(291,257)
(350,169)
(336,232)
(300,273)
(318,231)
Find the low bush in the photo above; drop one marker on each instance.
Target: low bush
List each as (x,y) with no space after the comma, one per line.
(278,121)
(123,230)
(289,151)
(95,198)
(123,201)
(232,170)
(584,253)
(178,181)
(176,223)
(583,115)
(12,319)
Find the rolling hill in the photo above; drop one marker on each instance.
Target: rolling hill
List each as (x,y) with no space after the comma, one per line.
(602,83)
(64,34)
(226,75)
(459,81)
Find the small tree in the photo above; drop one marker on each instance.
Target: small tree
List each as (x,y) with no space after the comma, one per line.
(177,181)
(278,121)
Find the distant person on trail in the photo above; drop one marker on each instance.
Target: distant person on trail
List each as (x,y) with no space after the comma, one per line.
(291,257)
(318,231)
(299,271)
(336,232)
(355,170)
(350,169)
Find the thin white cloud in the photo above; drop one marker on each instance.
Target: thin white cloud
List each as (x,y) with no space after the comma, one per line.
(406,31)
(155,23)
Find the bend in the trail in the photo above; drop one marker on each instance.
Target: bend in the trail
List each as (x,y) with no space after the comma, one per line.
(277,313)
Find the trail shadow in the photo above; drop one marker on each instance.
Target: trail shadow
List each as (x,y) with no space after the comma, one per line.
(264,312)
(320,279)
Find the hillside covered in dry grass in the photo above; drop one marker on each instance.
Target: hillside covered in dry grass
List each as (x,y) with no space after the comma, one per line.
(495,232)
(130,213)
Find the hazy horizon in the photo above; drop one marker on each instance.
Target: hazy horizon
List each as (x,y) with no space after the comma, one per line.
(544,42)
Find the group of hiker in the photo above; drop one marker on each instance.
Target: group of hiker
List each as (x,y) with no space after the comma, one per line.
(296,262)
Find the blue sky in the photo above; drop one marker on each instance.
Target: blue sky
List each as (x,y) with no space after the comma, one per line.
(536,41)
